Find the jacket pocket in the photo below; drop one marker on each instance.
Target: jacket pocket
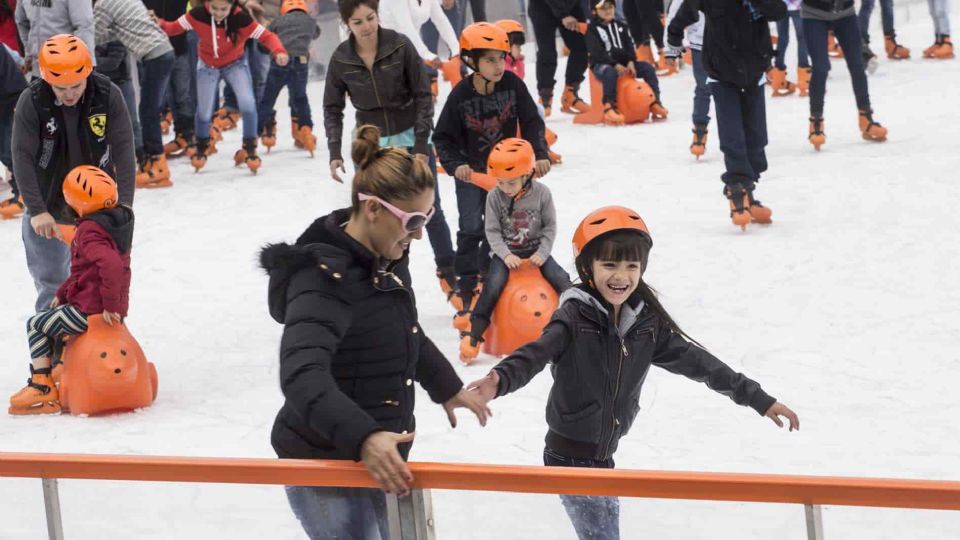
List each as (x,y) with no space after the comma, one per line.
(592,408)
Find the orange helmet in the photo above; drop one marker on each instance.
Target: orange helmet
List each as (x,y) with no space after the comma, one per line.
(604,220)
(510,158)
(483,35)
(290,5)
(64,60)
(514,31)
(87,189)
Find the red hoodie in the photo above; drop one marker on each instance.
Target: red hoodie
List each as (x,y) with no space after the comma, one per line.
(8,26)
(221,44)
(100,263)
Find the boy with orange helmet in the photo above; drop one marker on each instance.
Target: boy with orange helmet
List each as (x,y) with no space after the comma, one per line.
(521,224)
(490,105)
(69,117)
(99,282)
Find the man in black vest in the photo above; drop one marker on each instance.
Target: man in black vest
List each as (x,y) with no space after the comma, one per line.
(69,117)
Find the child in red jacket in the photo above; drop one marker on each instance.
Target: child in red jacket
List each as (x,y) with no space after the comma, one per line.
(99,282)
(223,29)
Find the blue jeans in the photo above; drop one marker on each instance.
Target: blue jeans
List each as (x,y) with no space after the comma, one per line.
(473,251)
(154,77)
(848,36)
(294,76)
(594,518)
(6,133)
(130,100)
(340,513)
(742,125)
(48,261)
(438,232)
(496,280)
(237,75)
(886,17)
(182,93)
(607,74)
(783,40)
(701,94)
(259,66)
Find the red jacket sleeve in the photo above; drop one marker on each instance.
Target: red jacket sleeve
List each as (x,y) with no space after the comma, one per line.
(270,40)
(99,248)
(177,27)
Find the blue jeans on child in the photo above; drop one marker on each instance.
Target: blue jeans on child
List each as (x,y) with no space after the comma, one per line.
(154,77)
(848,36)
(182,92)
(496,280)
(340,513)
(259,64)
(607,75)
(594,518)
(438,232)
(742,124)
(473,251)
(701,94)
(886,17)
(130,100)
(294,76)
(237,75)
(783,40)
(48,261)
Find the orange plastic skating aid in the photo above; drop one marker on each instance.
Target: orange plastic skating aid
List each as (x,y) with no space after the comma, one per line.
(40,396)
(105,370)
(451,70)
(894,50)
(308,139)
(699,145)
(523,310)
(779,85)
(155,174)
(870,130)
(817,137)
(645,54)
(739,205)
(634,98)
(611,116)
(804,74)
(11,208)
(571,103)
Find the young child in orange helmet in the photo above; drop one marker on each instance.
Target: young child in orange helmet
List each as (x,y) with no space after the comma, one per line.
(490,105)
(601,342)
(99,282)
(521,223)
(296,29)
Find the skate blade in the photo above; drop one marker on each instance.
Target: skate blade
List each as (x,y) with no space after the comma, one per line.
(46,407)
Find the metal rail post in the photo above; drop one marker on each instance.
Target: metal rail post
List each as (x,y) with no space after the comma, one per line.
(411,517)
(51,501)
(814,522)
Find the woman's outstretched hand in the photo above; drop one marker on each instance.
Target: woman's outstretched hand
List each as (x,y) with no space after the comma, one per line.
(384,463)
(779,409)
(486,387)
(469,400)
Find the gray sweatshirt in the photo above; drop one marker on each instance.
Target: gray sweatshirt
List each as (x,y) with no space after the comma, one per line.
(530,229)
(296,30)
(836,13)
(40,20)
(26,146)
(128,22)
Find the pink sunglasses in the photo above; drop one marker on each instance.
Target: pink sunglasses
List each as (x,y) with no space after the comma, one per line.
(411,221)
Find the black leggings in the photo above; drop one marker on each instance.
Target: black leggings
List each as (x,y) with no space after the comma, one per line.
(545,26)
(848,36)
(643,17)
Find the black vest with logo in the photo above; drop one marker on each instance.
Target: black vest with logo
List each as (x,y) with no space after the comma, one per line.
(53,157)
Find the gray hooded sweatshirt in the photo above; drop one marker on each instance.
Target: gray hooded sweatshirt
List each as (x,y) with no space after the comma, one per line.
(40,20)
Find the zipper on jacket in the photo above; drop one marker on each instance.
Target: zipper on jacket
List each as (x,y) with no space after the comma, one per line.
(616,392)
(373,82)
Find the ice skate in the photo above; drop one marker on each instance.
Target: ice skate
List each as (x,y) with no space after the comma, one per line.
(39,396)
(894,50)
(779,85)
(699,145)
(816,137)
(871,130)
(571,103)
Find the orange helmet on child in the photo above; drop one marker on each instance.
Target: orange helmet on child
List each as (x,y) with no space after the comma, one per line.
(482,36)
(64,60)
(603,221)
(87,189)
(514,30)
(511,158)
(290,5)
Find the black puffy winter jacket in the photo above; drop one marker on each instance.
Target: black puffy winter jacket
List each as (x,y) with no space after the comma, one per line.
(351,346)
(599,369)
(736,36)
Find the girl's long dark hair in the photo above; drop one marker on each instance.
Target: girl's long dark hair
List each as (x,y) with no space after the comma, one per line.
(626,245)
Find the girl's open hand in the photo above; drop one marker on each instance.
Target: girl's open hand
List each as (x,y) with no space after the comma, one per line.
(486,387)
(779,409)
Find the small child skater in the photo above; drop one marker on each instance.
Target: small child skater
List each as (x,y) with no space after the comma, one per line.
(490,105)
(521,223)
(223,28)
(612,55)
(600,343)
(693,40)
(296,29)
(98,285)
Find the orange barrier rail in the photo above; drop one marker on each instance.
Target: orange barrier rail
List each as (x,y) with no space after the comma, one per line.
(808,490)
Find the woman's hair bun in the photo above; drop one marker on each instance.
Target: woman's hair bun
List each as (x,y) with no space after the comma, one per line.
(366,146)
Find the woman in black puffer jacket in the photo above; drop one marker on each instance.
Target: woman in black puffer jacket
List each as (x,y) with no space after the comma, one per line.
(352,346)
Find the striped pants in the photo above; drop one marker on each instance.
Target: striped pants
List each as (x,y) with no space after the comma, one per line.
(51,324)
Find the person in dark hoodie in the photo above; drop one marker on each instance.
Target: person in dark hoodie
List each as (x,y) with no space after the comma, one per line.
(612,56)
(99,282)
(737,54)
(601,342)
(352,345)
(12,83)
(388,86)
(69,117)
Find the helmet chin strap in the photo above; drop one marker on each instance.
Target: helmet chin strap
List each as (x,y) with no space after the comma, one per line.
(476,69)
